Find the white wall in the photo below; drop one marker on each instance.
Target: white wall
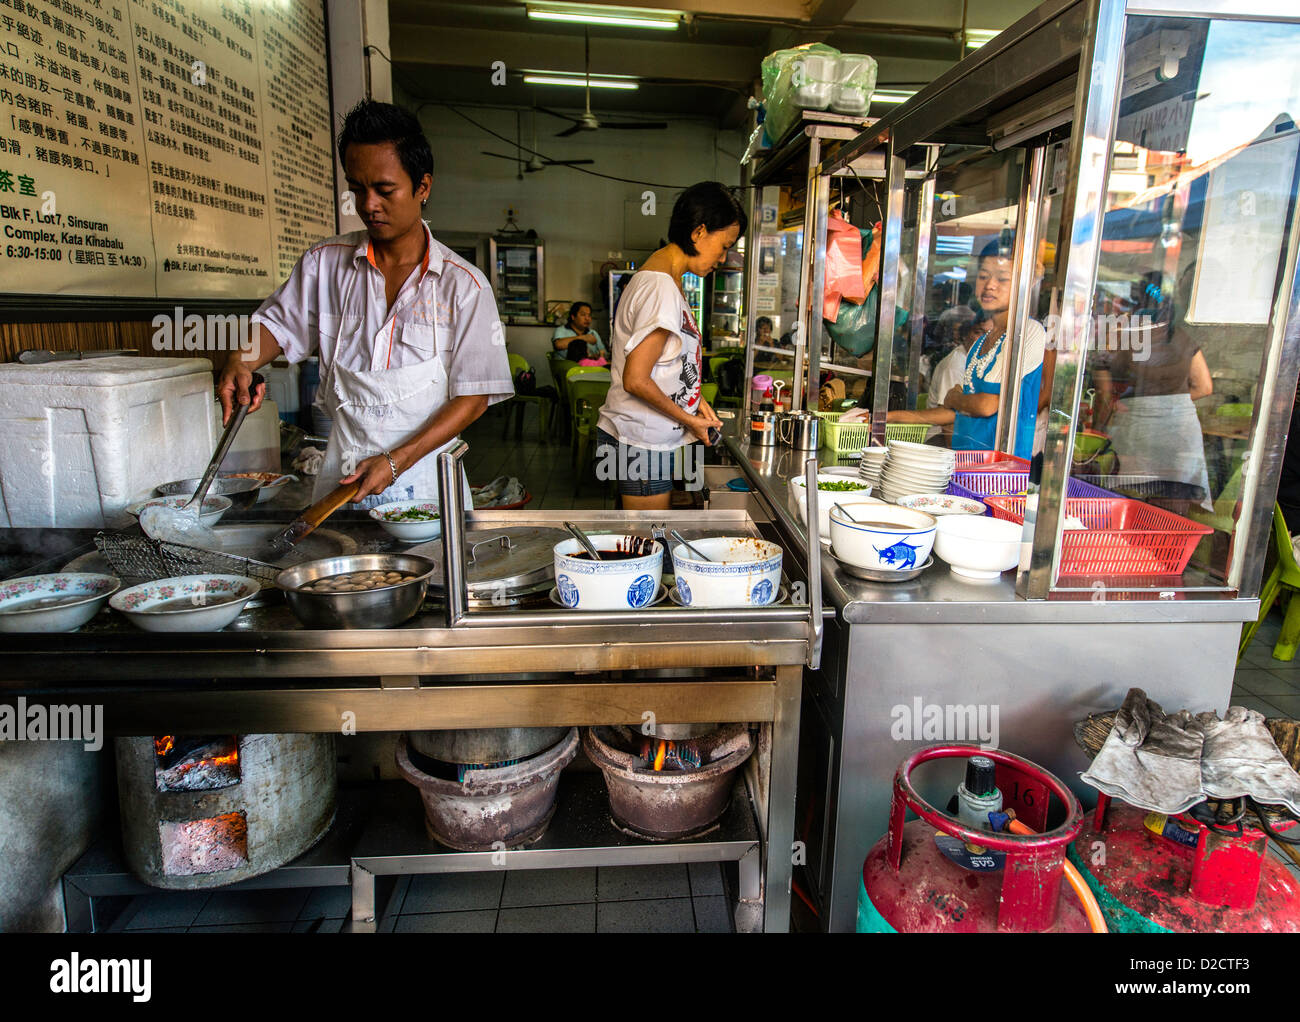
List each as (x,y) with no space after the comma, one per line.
(580,218)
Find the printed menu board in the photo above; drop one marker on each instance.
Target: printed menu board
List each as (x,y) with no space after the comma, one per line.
(161,148)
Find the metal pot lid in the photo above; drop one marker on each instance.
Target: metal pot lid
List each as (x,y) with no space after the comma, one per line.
(514,558)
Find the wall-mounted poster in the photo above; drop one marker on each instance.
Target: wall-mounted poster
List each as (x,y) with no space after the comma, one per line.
(161,148)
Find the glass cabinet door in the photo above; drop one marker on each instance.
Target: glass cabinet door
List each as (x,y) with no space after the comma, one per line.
(1198,206)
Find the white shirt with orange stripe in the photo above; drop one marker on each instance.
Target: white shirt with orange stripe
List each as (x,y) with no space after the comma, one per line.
(336,290)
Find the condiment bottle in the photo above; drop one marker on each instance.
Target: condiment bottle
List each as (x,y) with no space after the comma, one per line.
(766,404)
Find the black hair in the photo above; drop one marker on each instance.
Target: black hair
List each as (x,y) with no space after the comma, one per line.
(371,122)
(993,250)
(575,308)
(761,320)
(709,203)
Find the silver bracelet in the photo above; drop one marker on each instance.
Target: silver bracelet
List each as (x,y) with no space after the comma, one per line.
(392,466)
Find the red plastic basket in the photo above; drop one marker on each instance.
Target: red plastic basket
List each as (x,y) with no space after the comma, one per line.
(990,461)
(1120,536)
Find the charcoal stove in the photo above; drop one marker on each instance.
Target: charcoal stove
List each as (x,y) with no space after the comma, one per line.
(663,787)
(205,811)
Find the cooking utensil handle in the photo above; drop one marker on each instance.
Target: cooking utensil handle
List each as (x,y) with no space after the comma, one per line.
(816,626)
(328,504)
(581,537)
(223,447)
(451,498)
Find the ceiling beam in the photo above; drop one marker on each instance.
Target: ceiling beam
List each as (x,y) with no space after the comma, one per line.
(480,48)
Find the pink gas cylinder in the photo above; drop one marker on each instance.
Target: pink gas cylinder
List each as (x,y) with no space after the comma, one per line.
(938,874)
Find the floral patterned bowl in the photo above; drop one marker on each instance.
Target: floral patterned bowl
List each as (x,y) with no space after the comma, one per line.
(53,603)
(939,504)
(187,603)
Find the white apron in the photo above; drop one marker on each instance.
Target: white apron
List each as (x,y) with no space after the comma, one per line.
(378,410)
(1161,436)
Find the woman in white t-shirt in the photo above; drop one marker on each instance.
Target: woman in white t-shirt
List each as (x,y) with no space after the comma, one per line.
(654,408)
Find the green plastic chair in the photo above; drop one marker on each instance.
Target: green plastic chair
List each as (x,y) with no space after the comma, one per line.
(520,401)
(716,362)
(709,391)
(559,366)
(1285,578)
(575,370)
(585,400)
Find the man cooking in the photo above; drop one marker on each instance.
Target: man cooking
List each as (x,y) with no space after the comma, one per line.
(411,349)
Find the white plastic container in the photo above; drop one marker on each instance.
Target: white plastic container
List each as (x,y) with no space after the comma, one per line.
(79,440)
(282,388)
(256,447)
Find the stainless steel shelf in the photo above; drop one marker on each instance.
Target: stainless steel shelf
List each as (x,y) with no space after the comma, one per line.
(581,833)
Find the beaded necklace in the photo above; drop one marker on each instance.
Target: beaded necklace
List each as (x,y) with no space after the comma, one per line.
(981,362)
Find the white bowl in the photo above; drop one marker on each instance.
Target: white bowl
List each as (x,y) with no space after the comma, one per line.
(186,603)
(213,507)
(271,483)
(628,584)
(940,504)
(53,603)
(978,547)
(885,539)
(825,498)
(409,532)
(740,572)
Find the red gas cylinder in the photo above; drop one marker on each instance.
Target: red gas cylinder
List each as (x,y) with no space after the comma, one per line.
(909,885)
(1185,879)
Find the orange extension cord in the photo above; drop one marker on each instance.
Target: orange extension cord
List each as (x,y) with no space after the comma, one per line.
(1090,907)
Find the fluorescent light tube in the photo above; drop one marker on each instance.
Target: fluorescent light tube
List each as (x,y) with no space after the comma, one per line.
(624,17)
(577,81)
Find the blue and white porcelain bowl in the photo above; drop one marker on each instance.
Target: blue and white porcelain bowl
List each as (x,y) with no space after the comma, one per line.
(625,584)
(741,572)
(884,537)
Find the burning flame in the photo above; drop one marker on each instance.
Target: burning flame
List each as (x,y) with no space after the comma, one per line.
(660,753)
(226,760)
(163,745)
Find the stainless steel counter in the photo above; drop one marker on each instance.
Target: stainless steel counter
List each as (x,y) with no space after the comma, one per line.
(269,642)
(512,667)
(906,665)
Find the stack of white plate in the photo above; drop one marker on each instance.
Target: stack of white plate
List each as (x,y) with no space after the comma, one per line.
(915,468)
(872,464)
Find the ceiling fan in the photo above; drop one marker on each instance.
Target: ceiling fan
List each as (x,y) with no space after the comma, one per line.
(536,161)
(588,121)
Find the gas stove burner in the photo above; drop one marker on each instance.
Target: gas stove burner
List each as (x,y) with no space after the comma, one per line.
(680,799)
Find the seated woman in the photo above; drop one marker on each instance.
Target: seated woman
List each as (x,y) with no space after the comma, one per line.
(972,406)
(576,338)
(654,408)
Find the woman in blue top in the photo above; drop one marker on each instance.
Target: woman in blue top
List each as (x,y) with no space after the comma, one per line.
(971,407)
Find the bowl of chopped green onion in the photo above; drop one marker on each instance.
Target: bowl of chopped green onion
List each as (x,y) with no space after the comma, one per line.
(831,489)
(411,521)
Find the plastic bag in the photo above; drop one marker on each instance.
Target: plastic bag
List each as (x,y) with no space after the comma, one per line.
(855,80)
(796,79)
(843,266)
(854,328)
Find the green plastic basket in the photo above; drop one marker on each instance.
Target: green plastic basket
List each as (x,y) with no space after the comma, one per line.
(849,438)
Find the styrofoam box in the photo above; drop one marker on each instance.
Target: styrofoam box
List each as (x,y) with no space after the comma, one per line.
(80,440)
(256,447)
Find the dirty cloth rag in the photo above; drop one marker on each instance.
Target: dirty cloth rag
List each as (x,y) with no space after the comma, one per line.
(1167,763)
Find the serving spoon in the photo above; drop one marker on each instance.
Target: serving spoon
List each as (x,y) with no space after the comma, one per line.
(183,524)
(678,536)
(582,538)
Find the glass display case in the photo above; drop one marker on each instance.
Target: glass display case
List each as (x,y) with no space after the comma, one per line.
(789,203)
(1121,247)
(517,272)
